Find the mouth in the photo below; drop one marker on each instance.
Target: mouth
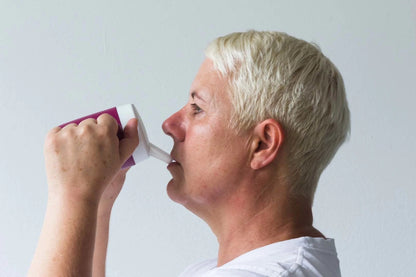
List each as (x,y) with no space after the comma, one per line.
(173,163)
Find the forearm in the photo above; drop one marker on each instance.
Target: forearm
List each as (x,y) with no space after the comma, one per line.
(103,223)
(66,243)
(101,243)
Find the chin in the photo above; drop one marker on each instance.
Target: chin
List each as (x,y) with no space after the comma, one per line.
(174,191)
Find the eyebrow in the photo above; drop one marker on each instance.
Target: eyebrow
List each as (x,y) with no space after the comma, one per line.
(195,94)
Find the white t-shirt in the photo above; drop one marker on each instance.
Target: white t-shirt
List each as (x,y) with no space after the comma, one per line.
(304,256)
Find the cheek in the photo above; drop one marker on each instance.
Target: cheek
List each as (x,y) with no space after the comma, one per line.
(215,155)
(215,163)
(206,145)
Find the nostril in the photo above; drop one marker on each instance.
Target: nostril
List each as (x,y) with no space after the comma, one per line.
(174,127)
(166,127)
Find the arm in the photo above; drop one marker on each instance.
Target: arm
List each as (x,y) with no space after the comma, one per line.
(100,247)
(67,239)
(103,223)
(80,163)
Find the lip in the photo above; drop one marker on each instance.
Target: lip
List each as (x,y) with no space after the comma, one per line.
(173,157)
(174,161)
(173,164)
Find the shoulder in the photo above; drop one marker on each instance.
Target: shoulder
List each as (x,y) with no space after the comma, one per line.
(198,269)
(301,257)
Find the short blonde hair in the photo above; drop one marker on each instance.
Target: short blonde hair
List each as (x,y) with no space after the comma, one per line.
(274,75)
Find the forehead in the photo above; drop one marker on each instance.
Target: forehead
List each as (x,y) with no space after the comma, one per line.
(209,83)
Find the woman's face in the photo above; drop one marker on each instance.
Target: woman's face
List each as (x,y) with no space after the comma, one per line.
(211,158)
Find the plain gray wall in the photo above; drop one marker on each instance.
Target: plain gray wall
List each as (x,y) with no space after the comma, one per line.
(64,59)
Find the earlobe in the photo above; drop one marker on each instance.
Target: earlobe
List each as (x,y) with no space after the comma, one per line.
(267,142)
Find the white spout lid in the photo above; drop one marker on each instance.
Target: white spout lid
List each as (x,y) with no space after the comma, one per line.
(145,148)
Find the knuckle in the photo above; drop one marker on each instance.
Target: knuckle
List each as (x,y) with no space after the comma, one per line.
(88,121)
(105,117)
(51,139)
(108,119)
(108,124)
(67,133)
(85,129)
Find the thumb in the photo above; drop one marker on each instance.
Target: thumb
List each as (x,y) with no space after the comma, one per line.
(130,140)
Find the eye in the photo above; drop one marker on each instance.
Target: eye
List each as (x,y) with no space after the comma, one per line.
(196,108)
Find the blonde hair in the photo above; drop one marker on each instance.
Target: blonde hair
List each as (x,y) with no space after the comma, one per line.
(274,75)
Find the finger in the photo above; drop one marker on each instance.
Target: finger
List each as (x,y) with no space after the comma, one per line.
(108,121)
(88,121)
(54,130)
(124,170)
(70,125)
(130,140)
(51,134)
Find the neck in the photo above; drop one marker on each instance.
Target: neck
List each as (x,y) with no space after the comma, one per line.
(251,222)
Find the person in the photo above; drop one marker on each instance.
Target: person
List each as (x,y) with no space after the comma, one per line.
(266,114)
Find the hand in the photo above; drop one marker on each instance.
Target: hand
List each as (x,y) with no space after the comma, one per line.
(82,160)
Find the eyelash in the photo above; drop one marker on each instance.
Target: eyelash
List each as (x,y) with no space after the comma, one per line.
(196,108)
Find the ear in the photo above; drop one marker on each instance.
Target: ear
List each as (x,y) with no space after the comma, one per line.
(268,137)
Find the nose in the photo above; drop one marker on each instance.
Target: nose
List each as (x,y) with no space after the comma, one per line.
(174,127)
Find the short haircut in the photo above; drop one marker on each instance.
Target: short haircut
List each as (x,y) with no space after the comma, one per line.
(274,75)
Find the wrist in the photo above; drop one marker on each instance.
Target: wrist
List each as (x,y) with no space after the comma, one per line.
(74,197)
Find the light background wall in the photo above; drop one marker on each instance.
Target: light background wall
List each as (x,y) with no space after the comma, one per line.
(63,59)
